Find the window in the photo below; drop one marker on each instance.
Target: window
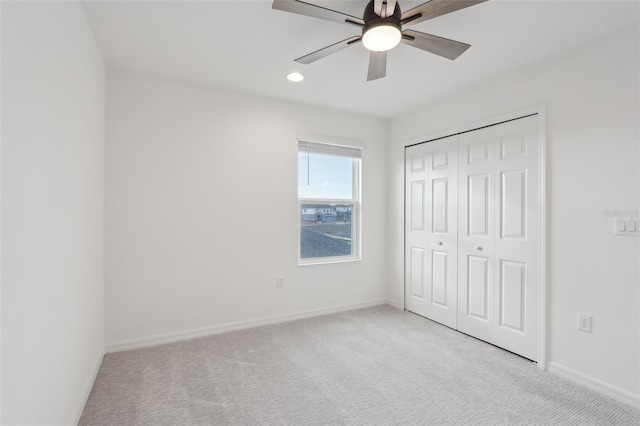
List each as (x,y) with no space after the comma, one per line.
(328,202)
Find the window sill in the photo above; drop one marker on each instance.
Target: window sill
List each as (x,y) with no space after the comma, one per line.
(320,261)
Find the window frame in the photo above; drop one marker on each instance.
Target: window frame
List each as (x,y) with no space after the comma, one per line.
(356,201)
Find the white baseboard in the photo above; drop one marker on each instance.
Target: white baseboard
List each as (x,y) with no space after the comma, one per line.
(595,385)
(86,391)
(395,304)
(160,339)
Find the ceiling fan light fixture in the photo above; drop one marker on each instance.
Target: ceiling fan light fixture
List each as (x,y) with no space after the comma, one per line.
(381,38)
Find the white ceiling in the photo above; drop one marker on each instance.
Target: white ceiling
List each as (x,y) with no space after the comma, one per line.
(249,47)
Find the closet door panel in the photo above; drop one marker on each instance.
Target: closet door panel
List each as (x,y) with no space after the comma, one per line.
(476,209)
(516,245)
(477,287)
(416,227)
(478,202)
(438,236)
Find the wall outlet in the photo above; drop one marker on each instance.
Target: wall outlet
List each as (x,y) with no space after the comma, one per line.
(280,282)
(584,322)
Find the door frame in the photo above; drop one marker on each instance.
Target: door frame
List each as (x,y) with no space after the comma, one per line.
(540,110)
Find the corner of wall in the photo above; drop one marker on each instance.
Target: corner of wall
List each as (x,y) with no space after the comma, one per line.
(86,391)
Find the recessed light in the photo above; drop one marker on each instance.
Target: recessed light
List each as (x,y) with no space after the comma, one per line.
(295,77)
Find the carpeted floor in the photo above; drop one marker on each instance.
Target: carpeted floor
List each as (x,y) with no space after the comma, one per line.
(376,366)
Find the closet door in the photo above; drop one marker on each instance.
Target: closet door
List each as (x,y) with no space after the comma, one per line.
(431,230)
(471,232)
(516,245)
(477,209)
(498,240)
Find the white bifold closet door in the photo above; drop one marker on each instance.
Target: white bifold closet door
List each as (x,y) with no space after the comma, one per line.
(431,230)
(490,237)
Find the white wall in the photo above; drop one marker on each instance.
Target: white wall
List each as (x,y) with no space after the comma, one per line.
(188,166)
(201,210)
(53,105)
(593,146)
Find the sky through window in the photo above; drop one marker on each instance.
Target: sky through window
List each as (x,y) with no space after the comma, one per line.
(329,176)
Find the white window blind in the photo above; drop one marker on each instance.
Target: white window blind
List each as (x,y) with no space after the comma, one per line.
(329,149)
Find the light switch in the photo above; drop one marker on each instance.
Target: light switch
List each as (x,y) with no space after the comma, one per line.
(627,227)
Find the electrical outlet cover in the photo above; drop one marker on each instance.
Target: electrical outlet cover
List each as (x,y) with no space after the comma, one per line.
(584,323)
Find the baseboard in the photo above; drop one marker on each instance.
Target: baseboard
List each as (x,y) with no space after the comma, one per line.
(595,385)
(86,391)
(395,304)
(144,342)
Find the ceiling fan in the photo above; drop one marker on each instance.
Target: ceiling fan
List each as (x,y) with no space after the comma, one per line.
(383,26)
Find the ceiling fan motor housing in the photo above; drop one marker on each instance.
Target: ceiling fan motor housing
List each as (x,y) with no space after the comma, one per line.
(372,20)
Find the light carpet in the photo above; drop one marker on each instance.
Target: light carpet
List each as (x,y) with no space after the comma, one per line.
(375,366)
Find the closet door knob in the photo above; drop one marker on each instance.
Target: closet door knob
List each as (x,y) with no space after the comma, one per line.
(439,243)
(478,248)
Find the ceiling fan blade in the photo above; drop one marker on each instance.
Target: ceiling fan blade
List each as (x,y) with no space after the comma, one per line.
(326,51)
(377,7)
(390,8)
(433,9)
(377,65)
(440,46)
(308,9)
